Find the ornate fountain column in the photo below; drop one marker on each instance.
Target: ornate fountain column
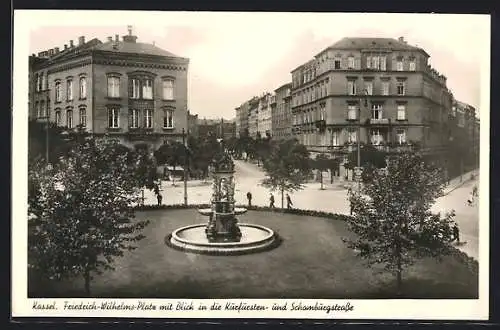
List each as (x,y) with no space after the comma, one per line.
(222,224)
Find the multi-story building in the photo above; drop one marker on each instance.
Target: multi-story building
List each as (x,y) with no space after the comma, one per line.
(383,86)
(463,129)
(253,116)
(264,115)
(220,128)
(241,119)
(123,88)
(281,114)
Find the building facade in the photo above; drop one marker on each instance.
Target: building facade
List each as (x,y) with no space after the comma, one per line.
(383,86)
(281,113)
(193,125)
(220,128)
(253,119)
(132,91)
(264,115)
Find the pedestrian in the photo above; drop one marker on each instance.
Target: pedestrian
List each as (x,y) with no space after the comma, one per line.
(289,203)
(159,197)
(474,191)
(271,201)
(249,197)
(456,233)
(470,201)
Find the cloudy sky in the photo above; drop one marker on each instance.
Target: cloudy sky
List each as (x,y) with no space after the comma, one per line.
(234,56)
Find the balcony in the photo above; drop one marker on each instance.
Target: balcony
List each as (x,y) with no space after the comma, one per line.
(381,121)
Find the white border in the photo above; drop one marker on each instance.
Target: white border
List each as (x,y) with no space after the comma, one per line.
(363,309)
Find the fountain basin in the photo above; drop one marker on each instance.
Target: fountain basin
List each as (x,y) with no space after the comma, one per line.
(237,211)
(254,238)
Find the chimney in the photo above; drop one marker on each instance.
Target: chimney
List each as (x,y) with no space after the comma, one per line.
(81,40)
(71,44)
(56,50)
(129,37)
(117,38)
(51,52)
(110,39)
(401,39)
(40,54)
(65,46)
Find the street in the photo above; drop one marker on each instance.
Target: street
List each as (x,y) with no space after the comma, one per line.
(332,199)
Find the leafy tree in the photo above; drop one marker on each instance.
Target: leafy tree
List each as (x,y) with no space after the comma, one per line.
(321,163)
(369,156)
(80,212)
(173,154)
(37,141)
(392,218)
(287,167)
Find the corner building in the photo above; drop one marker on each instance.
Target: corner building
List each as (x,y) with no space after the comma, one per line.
(132,91)
(385,86)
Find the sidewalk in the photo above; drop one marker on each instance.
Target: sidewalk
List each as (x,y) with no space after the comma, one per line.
(459,181)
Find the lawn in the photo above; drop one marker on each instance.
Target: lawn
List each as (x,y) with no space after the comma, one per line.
(312,262)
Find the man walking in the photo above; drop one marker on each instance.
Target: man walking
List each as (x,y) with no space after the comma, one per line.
(271,201)
(289,203)
(159,197)
(249,197)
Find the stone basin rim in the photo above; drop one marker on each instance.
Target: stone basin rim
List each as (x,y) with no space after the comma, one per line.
(270,235)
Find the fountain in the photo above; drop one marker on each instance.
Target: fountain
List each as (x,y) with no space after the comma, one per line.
(222,234)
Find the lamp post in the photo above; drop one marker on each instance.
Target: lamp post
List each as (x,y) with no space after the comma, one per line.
(185,166)
(358,176)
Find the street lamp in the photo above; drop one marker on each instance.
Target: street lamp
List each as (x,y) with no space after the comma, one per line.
(185,166)
(358,169)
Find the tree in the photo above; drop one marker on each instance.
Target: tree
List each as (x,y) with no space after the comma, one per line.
(37,141)
(321,163)
(392,217)
(80,211)
(286,167)
(173,154)
(369,155)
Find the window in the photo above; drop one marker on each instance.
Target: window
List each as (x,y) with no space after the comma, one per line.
(375,62)
(352,135)
(401,112)
(399,64)
(113,87)
(377,111)
(58,118)
(58,91)
(376,137)
(413,65)
(400,87)
(83,88)
(368,62)
(136,88)
(385,88)
(38,82)
(351,87)
(42,109)
(69,90)
(369,87)
(134,118)
(352,111)
(148,118)
(336,64)
(335,138)
(113,118)
(168,118)
(168,89)
(83,117)
(401,136)
(37,109)
(383,61)
(69,118)
(350,62)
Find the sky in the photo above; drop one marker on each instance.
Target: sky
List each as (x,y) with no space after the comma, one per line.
(234,56)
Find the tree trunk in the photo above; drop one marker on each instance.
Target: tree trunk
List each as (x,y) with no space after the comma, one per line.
(321,178)
(282,198)
(86,275)
(173,176)
(399,280)
(331,176)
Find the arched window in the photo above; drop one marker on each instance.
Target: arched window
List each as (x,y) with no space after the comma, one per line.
(113,86)
(58,117)
(58,91)
(83,87)
(69,118)
(83,117)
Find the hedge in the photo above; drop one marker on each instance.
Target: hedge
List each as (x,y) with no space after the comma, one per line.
(470,262)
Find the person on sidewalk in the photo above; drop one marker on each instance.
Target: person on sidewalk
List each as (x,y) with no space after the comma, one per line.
(289,203)
(271,201)
(159,197)
(249,197)
(456,233)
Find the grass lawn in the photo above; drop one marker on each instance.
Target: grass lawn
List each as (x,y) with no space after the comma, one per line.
(312,262)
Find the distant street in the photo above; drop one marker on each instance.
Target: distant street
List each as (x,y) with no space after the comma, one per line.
(332,199)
